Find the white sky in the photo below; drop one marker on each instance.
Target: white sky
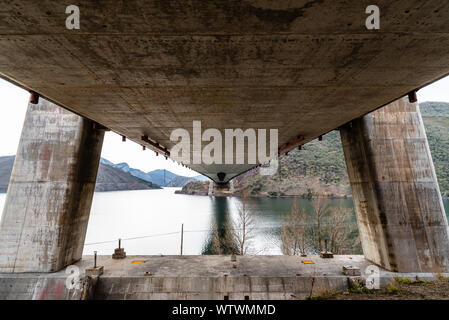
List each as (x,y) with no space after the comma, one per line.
(14,100)
(13,104)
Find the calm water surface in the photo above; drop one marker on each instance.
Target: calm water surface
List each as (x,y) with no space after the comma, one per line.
(150,221)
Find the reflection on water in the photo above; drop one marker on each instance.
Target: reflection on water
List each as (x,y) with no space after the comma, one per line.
(150,221)
(221,239)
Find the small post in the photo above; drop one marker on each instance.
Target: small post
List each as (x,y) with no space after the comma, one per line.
(119,253)
(94,271)
(412,97)
(326,253)
(303,249)
(182,237)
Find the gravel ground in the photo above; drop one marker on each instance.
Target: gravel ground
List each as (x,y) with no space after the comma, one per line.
(398,290)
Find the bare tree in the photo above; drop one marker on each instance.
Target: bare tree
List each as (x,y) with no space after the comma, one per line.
(339,227)
(244,225)
(293,231)
(303,232)
(320,208)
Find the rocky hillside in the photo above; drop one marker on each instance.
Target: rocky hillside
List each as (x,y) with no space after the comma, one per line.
(199,188)
(319,168)
(108,178)
(436,121)
(179,181)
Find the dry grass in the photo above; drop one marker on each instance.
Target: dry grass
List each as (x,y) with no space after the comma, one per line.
(399,289)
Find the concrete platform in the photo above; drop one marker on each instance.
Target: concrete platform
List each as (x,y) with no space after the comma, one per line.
(197,277)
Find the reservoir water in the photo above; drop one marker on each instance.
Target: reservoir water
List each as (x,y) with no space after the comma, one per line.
(149,221)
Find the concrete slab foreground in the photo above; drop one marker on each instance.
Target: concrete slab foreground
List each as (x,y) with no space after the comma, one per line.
(198,277)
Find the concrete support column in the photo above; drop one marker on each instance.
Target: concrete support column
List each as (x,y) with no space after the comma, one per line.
(47,207)
(400,213)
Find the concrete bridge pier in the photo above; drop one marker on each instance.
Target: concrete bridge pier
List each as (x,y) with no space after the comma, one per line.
(47,207)
(398,204)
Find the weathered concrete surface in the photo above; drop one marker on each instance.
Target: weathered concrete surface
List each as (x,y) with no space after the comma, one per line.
(35,286)
(89,286)
(197,277)
(47,207)
(146,67)
(400,214)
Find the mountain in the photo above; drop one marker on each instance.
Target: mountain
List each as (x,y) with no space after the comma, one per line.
(180,181)
(160,177)
(155,176)
(105,161)
(320,168)
(109,178)
(201,178)
(122,166)
(6,164)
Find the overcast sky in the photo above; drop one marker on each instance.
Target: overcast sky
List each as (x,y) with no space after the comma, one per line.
(14,101)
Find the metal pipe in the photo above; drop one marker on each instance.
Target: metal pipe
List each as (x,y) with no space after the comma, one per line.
(156,145)
(182,237)
(291,145)
(95,259)
(97,126)
(412,97)
(34,97)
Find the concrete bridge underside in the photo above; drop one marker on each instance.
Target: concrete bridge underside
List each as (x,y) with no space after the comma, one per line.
(144,69)
(147,67)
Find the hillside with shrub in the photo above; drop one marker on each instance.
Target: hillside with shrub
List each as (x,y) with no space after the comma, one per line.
(320,168)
